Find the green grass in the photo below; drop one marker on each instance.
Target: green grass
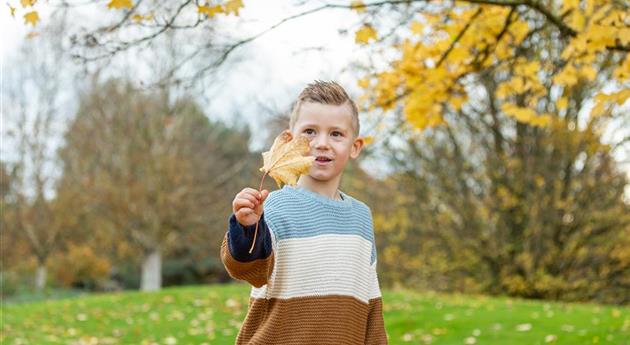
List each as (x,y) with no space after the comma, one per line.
(213,315)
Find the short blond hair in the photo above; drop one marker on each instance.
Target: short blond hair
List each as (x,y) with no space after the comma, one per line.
(325,92)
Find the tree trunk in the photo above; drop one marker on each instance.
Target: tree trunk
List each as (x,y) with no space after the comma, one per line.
(152,271)
(40,277)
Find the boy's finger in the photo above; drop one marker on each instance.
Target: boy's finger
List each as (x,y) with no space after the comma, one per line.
(265,194)
(251,191)
(256,194)
(251,198)
(244,212)
(240,203)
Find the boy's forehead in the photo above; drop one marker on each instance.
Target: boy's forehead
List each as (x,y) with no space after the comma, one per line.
(325,115)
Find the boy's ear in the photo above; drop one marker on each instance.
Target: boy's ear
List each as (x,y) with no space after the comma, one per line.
(288,131)
(357,145)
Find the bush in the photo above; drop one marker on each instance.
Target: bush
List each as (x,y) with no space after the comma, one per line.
(81,267)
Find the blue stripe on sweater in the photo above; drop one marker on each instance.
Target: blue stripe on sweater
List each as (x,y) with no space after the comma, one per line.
(240,240)
(293,213)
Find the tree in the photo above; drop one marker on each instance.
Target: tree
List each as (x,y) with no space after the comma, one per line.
(453,38)
(35,102)
(548,50)
(514,189)
(151,173)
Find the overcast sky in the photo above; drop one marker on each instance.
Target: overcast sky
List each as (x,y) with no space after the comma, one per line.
(274,69)
(277,66)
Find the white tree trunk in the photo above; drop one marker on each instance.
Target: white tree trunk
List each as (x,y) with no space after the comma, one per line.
(152,271)
(40,277)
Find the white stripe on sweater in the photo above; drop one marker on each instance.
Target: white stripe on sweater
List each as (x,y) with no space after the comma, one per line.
(330,264)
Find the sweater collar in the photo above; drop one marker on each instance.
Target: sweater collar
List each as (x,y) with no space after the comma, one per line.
(345,203)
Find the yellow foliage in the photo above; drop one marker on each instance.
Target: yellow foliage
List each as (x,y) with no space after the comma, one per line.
(525,115)
(28,3)
(233,6)
(368,139)
(515,284)
(364,83)
(119,4)
(139,18)
(458,102)
(31,18)
(508,200)
(365,34)
(516,85)
(80,264)
(386,89)
(588,72)
(417,27)
(568,77)
(604,102)
(210,11)
(594,26)
(358,6)
(562,103)
(623,71)
(569,5)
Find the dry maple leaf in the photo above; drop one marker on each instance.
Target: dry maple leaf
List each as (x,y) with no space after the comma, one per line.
(285,162)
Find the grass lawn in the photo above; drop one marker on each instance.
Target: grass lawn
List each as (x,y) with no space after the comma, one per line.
(213,315)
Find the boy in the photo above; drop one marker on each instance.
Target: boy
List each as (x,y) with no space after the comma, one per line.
(313,269)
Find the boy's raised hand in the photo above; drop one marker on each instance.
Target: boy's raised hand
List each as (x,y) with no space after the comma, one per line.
(248,205)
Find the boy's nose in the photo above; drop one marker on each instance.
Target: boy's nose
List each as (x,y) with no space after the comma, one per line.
(320,142)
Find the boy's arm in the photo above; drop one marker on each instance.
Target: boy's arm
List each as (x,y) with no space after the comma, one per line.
(255,268)
(375,333)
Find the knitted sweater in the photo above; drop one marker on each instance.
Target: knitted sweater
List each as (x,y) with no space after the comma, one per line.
(312,271)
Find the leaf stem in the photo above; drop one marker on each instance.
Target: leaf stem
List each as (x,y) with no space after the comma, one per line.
(256,231)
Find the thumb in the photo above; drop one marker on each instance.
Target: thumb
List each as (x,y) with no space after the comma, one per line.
(264,193)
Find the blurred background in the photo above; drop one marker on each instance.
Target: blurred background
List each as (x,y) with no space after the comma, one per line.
(497,162)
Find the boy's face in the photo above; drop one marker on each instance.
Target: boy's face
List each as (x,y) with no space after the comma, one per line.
(331,134)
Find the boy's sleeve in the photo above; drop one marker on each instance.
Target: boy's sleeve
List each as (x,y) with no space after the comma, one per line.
(375,333)
(255,268)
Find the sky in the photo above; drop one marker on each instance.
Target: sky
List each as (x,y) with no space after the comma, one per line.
(277,65)
(274,69)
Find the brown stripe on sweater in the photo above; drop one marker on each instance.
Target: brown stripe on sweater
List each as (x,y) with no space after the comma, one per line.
(255,272)
(313,320)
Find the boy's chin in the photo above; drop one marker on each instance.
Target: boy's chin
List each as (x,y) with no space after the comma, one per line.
(321,177)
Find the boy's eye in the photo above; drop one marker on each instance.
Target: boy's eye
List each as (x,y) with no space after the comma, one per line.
(309,131)
(337,134)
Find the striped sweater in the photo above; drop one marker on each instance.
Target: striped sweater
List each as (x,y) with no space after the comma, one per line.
(312,271)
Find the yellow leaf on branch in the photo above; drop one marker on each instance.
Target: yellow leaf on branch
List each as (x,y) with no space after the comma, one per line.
(526,115)
(417,28)
(31,18)
(567,77)
(358,6)
(27,3)
(363,83)
(562,103)
(140,18)
(367,140)
(364,34)
(233,6)
(119,4)
(210,11)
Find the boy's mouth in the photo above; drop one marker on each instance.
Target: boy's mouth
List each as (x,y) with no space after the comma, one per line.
(323,160)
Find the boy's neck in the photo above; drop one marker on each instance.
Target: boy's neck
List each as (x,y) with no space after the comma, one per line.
(325,188)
